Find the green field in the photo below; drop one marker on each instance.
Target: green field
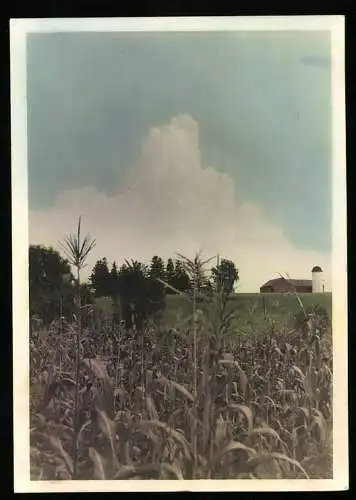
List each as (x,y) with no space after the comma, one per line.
(252,310)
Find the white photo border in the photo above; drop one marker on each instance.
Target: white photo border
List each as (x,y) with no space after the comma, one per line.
(19,29)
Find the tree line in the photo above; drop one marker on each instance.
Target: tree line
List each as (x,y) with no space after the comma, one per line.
(138,289)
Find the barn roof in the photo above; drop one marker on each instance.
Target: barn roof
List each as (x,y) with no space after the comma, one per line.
(294,282)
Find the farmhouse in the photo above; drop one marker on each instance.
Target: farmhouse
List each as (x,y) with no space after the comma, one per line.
(284,285)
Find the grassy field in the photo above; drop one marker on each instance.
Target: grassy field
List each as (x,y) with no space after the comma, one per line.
(252,310)
(280,307)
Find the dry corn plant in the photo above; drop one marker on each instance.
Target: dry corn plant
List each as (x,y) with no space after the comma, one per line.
(198,401)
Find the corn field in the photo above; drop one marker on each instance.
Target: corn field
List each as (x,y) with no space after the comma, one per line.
(252,407)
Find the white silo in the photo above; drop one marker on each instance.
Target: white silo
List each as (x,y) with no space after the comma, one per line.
(317,280)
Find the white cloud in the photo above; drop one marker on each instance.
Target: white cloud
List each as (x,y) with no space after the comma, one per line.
(170,203)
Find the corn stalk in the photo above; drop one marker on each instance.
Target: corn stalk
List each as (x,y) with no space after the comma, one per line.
(77,251)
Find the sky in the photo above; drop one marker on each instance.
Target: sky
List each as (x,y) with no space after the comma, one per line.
(184,142)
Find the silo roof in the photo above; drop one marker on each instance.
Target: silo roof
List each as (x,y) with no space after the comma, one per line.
(317,269)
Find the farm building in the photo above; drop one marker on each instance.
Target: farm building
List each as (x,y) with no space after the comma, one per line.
(284,285)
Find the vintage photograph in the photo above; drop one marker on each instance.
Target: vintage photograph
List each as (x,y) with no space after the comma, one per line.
(179,242)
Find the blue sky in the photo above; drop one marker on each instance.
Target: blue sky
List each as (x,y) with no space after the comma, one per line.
(261,102)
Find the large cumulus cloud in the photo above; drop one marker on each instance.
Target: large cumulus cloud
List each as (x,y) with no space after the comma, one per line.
(170,202)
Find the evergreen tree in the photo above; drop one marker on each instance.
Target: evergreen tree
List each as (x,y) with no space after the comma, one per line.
(157,268)
(156,291)
(181,278)
(114,282)
(133,290)
(141,295)
(170,275)
(100,278)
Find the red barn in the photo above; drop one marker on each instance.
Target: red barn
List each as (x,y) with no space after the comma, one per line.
(283,285)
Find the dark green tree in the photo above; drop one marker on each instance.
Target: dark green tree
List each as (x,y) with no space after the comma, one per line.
(141,295)
(114,292)
(224,276)
(181,278)
(170,275)
(114,282)
(50,283)
(133,290)
(157,268)
(156,289)
(100,279)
